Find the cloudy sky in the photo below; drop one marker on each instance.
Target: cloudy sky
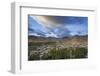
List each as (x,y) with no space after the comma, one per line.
(57,26)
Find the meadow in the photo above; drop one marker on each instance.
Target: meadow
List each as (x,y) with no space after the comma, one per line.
(72,48)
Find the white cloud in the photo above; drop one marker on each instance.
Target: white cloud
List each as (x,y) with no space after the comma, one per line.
(34,34)
(51,28)
(45,21)
(51,34)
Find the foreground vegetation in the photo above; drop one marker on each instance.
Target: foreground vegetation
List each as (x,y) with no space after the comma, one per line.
(40,48)
(64,53)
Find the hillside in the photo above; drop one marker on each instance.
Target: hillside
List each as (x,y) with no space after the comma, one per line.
(42,45)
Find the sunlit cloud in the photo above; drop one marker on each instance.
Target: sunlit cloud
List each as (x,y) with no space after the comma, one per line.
(57,26)
(46,21)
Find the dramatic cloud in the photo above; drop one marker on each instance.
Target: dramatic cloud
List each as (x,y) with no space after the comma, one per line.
(46,21)
(57,26)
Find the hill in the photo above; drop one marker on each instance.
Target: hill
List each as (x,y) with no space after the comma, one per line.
(42,45)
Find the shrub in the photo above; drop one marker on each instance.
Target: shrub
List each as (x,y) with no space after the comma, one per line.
(80,53)
(34,56)
(66,53)
(62,53)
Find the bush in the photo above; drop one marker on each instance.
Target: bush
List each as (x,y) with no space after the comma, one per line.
(34,56)
(80,53)
(66,53)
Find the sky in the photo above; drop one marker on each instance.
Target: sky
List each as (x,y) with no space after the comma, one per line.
(57,26)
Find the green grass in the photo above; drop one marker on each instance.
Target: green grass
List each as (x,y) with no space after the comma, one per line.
(34,56)
(64,53)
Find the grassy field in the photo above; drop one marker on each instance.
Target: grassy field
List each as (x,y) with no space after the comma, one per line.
(49,50)
(66,53)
